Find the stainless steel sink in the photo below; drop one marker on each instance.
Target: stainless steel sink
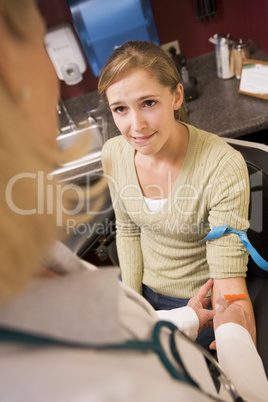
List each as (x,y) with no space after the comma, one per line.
(89,134)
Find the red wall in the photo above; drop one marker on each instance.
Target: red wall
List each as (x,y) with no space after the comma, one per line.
(176,19)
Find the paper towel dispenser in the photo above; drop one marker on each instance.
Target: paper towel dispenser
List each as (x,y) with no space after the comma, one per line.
(103,25)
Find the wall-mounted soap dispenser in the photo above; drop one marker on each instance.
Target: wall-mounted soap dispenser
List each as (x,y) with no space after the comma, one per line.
(65,53)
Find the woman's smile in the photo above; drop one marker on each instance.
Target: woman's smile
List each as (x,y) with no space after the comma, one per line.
(142,139)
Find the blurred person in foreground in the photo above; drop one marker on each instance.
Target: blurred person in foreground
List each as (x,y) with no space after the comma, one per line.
(69,331)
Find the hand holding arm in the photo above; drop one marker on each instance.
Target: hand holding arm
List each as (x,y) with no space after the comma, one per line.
(194,317)
(236,314)
(234,286)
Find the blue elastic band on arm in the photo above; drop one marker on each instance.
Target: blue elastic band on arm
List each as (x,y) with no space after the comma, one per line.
(218,231)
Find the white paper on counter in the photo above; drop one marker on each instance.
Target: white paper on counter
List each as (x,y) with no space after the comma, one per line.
(254,78)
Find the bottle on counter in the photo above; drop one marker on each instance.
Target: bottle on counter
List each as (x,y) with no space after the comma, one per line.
(241,51)
(224,45)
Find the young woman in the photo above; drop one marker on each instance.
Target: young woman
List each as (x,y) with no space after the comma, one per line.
(170,183)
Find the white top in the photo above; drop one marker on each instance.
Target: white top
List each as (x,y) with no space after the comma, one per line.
(154,205)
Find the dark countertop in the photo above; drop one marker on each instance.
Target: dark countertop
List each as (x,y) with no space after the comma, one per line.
(220,109)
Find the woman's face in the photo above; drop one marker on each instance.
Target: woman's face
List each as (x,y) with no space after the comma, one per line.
(143,110)
(32,79)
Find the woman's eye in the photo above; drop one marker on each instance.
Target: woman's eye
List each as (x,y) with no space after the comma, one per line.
(149,103)
(119,109)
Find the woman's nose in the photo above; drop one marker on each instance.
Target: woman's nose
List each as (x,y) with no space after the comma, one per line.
(138,121)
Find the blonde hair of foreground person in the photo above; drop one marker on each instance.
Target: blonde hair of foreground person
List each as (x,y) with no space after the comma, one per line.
(25,237)
(148,56)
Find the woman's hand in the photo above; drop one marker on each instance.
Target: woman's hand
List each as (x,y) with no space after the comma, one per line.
(199,304)
(233,313)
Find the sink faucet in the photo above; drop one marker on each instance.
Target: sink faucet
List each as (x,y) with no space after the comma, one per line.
(62,108)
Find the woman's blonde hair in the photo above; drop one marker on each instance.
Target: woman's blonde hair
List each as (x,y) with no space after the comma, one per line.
(148,56)
(28,214)
(24,236)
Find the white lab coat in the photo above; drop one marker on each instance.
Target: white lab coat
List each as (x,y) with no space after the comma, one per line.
(88,306)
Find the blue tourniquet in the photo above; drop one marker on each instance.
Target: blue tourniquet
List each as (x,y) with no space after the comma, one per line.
(218,231)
